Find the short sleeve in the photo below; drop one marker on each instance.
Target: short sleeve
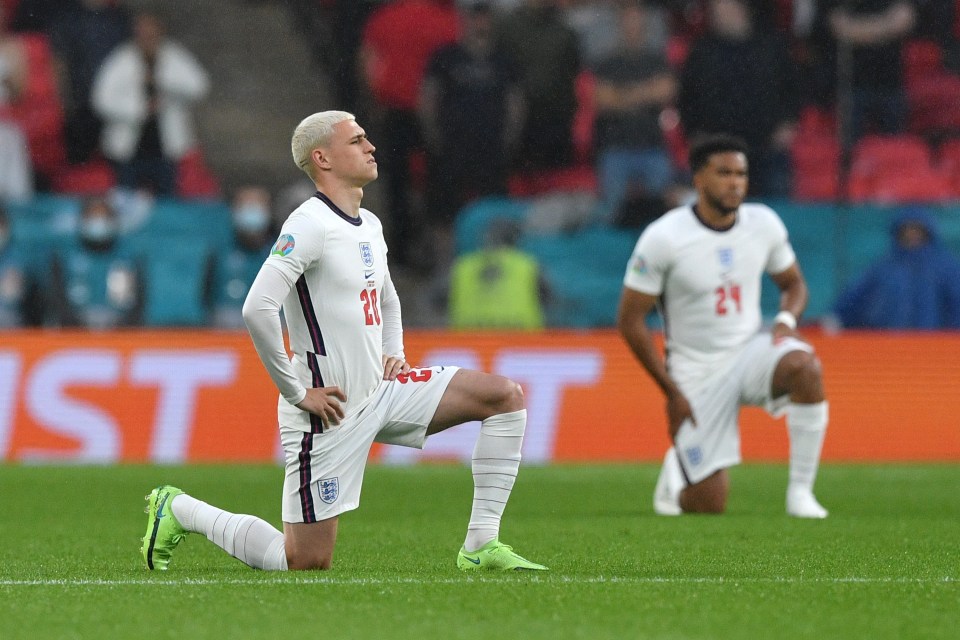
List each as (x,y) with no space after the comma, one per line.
(781,255)
(649,263)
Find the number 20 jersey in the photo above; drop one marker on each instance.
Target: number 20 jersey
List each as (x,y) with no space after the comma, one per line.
(337,268)
(708,281)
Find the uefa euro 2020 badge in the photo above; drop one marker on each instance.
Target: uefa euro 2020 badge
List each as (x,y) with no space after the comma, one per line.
(284,246)
(329,489)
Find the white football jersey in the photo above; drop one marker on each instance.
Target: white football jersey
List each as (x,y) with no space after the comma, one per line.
(708,281)
(336,269)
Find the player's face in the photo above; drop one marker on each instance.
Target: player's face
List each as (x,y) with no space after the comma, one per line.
(350,154)
(722,184)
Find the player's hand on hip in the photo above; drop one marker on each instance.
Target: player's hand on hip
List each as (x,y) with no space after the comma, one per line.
(393,366)
(324,402)
(781,331)
(678,411)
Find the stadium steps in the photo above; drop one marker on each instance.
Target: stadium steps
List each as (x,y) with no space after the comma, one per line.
(263,81)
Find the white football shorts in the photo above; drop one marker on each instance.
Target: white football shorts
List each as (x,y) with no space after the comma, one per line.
(714,443)
(324,471)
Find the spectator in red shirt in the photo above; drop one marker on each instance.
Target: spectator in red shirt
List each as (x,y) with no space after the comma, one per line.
(398,41)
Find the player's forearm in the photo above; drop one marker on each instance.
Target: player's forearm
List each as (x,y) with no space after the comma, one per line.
(794,298)
(641,344)
(261,313)
(392,323)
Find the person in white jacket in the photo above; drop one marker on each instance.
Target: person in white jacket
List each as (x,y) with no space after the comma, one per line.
(144,92)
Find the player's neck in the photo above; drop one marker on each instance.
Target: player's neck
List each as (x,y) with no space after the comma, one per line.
(347,198)
(714,218)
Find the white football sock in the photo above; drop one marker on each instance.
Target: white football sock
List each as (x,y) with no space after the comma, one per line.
(670,482)
(807,425)
(249,539)
(496,460)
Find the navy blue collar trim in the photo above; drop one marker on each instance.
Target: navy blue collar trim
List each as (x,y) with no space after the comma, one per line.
(696,213)
(337,210)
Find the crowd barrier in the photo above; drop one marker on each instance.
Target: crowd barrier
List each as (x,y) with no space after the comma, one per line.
(203,396)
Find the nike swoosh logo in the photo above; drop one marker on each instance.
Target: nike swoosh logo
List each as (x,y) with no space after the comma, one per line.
(477,561)
(368,274)
(160,513)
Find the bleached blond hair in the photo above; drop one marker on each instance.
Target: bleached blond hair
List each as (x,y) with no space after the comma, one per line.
(312,132)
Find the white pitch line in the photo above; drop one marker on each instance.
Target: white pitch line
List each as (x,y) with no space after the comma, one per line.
(93,582)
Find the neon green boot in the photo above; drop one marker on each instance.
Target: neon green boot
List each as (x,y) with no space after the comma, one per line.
(495,556)
(164,533)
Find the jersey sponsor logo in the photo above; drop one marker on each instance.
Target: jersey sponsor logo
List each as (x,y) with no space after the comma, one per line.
(694,455)
(329,489)
(368,274)
(284,246)
(366,254)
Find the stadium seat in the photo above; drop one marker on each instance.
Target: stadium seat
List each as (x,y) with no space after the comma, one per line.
(195,180)
(89,178)
(896,169)
(472,221)
(815,159)
(176,278)
(576,178)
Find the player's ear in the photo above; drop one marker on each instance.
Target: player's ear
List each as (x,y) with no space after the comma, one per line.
(320,159)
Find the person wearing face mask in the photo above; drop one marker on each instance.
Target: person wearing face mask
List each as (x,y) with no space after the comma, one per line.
(19,304)
(97,282)
(238,266)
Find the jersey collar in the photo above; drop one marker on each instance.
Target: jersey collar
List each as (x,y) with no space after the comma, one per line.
(322,197)
(696,214)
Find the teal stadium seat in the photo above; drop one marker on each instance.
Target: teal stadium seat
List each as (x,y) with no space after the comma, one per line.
(473,220)
(175,272)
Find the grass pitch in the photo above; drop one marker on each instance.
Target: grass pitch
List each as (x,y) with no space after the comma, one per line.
(886,564)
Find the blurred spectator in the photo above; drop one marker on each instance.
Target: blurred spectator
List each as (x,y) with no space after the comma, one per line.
(740,80)
(633,86)
(471,113)
(81,39)
(916,286)
(874,30)
(546,54)
(595,23)
(397,43)
(237,266)
(39,15)
(144,92)
(97,283)
(497,286)
(19,294)
(16,172)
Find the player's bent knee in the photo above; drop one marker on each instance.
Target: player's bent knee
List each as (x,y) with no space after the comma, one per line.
(800,374)
(512,396)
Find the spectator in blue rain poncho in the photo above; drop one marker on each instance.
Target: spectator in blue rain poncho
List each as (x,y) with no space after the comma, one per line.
(916,286)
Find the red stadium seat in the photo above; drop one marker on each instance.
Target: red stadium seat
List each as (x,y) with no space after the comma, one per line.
(816,164)
(195,179)
(578,178)
(91,178)
(897,169)
(874,155)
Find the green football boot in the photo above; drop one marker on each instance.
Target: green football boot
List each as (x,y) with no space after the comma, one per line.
(495,556)
(164,533)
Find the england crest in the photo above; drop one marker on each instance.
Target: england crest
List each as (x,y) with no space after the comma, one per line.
(329,489)
(366,254)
